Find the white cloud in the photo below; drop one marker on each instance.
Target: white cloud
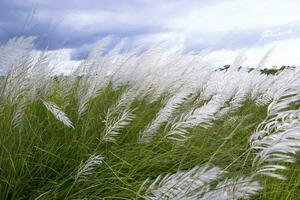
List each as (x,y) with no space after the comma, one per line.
(238,15)
(276,32)
(61,61)
(286,52)
(225,26)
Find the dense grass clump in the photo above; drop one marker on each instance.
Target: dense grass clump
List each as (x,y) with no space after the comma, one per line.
(146,133)
(41,159)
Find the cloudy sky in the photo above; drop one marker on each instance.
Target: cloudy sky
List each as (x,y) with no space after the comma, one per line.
(222,27)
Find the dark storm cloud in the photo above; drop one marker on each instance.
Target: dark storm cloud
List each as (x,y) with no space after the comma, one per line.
(56,26)
(73,23)
(204,24)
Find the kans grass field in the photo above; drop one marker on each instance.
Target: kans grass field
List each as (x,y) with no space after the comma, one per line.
(146,124)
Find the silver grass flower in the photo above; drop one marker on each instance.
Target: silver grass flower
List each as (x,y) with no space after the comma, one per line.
(17,80)
(119,116)
(93,75)
(274,148)
(124,101)
(113,126)
(164,115)
(277,138)
(18,113)
(197,184)
(86,168)
(13,51)
(202,116)
(233,188)
(58,113)
(182,184)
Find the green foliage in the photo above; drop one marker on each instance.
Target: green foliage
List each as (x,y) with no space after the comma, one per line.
(41,159)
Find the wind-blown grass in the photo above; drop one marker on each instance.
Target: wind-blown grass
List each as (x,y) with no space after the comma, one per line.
(159,125)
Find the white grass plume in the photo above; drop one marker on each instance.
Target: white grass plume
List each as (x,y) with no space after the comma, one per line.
(86,168)
(164,115)
(233,188)
(58,113)
(93,75)
(202,116)
(182,184)
(14,50)
(124,101)
(274,149)
(113,126)
(277,138)
(197,184)
(118,116)
(19,113)
(16,81)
